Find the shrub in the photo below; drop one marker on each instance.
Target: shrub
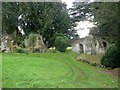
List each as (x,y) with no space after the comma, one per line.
(61,43)
(20,50)
(111,58)
(32,40)
(94,64)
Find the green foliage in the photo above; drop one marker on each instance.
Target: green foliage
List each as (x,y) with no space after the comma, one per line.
(111,58)
(10,12)
(80,11)
(61,43)
(20,50)
(44,18)
(107,18)
(32,38)
(19,40)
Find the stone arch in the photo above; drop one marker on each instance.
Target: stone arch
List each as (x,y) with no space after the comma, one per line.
(95,43)
(81,48)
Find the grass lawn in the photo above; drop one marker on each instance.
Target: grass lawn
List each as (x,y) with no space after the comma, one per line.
(52,70)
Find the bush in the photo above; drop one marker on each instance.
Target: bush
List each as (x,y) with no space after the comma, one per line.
(61,43)
(32,40)
(20,50)
(94,64)
(111,58)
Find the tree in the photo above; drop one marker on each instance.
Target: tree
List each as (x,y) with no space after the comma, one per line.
(10,12)
(61,42)
(81,11)
(107,18)
(44,18)
(105,14)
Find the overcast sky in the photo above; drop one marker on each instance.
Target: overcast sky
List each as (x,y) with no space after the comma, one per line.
(84,25)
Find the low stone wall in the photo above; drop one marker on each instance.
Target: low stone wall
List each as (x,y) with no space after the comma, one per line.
(90,63)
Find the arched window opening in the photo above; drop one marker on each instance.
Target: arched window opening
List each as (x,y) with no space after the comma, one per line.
(104,45)
(81,48)
(95,44)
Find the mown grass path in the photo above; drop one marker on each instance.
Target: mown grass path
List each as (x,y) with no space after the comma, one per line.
(52,70)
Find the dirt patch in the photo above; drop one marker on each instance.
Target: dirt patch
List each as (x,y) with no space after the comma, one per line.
(113,72)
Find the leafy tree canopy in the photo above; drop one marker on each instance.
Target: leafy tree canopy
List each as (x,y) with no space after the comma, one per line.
(44,18)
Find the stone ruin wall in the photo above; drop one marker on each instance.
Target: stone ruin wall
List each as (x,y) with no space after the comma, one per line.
(90,45)
(6,44)
(39,44)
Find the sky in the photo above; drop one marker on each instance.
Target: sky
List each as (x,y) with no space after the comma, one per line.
(68,2)
(83,27)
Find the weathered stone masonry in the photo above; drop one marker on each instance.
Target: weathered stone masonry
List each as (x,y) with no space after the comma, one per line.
(90,45)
